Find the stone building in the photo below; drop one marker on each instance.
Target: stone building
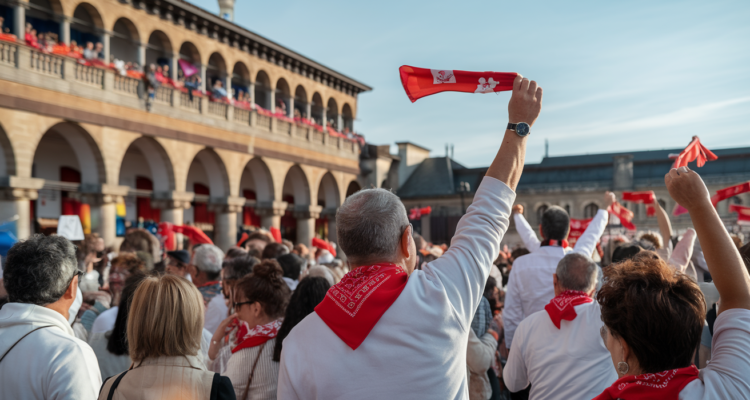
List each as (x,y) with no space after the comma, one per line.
(77,137)
(576,183)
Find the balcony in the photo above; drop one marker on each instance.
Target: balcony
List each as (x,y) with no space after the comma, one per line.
(25,65)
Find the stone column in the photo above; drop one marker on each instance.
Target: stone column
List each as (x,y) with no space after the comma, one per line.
(65,30)
(103,202)
(203,77)
(272,96)
(225,226)
(16,195)
(174,66)
(19,14)
(142,56)
(309,111)
(290,112)
(229,85)
(330,213)
(426,227)
(251,89)
(270,213)
(105,46)
(339,122)
(173,206)
(306,216)
(324,118)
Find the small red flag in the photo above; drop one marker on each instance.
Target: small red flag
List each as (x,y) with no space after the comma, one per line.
(743,213)
(694,151)
(647,197)
(276,233)
(421,82)
(624,214)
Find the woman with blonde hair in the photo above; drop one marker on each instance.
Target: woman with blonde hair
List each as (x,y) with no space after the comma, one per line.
(164,334)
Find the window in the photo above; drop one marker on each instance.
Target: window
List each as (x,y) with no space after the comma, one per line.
(590,210)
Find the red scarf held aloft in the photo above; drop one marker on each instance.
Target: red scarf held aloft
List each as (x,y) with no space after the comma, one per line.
(624,214)
(421,82)
(577,227)
(743,213)
(665,385)
(167,230)
(694,151)
(562,306)
(647,197)
(721,195)
(353,306)
(256,336)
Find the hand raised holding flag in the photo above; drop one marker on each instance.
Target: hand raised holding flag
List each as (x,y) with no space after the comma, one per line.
(526,102)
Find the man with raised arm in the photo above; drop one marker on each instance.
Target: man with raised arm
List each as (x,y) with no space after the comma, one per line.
(530,286)
(388,331)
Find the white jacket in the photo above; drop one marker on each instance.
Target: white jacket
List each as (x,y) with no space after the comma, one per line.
(50,363)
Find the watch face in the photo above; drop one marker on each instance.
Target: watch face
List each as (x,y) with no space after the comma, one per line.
(522,129)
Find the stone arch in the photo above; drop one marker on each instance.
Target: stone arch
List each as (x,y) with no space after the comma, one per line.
(68,144)
(352,188)
(54,6)
(296,185)
(158,48)
(125,40)
(216,69)
(590,209)
(300,101)
(347,117)
(317,108)
(257,177)
(189,52)
(7,155)
(87,24)
(328,192)
(240,79)
(283,95)
(41,14)
(146,153)
(214,173)
(332,114)
(263,90)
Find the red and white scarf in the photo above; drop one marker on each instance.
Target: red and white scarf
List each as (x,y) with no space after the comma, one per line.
(421,82)
(665,385)
(353,306)
(556,243)
(256,336)
(562,306)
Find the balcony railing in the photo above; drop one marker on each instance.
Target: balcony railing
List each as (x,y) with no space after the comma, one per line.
(47,64)
(90,75)
(22,57)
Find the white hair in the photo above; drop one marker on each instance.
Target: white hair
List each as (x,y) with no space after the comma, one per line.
(575,271)
(208,258)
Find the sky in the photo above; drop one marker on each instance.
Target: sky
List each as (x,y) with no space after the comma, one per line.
(617,76)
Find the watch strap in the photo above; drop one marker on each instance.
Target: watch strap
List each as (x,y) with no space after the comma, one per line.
(511,126)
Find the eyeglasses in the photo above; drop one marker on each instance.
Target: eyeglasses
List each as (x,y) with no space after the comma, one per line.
(238,305)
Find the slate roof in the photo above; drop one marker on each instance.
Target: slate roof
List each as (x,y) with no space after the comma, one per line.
(440,176)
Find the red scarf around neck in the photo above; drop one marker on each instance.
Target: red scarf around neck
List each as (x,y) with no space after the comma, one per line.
(665,385)
(353,306)
(562,306)
(256,336)
(556,243)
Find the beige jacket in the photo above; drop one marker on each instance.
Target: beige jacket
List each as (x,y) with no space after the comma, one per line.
(479,354)
(183,377)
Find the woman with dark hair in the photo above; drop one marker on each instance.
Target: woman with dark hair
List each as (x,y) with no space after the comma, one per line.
(653,316)
(111,347)
(309,293)
(260,300)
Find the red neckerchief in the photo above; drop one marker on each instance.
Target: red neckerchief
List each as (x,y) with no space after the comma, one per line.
(562,306)
(665,385)
(559,243)
(353,306)
(257,336)
(208,284)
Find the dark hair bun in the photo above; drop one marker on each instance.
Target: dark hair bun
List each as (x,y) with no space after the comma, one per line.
(268,269)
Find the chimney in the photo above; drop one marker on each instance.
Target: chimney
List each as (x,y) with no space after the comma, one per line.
(226,9)
(451,151)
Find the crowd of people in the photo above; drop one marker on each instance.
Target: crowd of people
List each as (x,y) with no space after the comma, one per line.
(660,317)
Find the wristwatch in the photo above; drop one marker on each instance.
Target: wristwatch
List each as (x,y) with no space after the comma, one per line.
(522,129)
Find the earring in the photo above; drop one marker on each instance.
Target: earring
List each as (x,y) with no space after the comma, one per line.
(623,367)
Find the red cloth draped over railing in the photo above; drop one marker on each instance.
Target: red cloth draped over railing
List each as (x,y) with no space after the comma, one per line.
(8,37)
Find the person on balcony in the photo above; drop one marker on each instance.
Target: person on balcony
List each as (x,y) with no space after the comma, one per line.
(152,83)
(219,92)
(192,82)
(89,53)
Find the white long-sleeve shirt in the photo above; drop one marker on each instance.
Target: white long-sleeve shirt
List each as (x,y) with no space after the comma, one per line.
(51,363)
(530,285)
(417,350)
(567,363)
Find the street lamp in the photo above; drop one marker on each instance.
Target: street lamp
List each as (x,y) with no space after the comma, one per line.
(463,188)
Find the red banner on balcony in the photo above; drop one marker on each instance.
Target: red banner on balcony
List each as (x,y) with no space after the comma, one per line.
(646,197)
(694,151)
(421,82)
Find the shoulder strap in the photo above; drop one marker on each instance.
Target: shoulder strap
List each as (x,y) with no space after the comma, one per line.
(215,387)
(115,385)
(252,371)
(22,337)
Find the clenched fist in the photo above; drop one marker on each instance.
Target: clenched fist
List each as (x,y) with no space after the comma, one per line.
(518,209)
(687,188)
(525,102)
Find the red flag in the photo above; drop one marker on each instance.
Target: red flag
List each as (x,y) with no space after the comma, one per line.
(242,239)
(694,151)
(421,82)
(647,197)
(417,213)
(276,233)
(731,191)
(166,232)
(194,234)
(743,213)
(624,214)
(322,244)
(577,227)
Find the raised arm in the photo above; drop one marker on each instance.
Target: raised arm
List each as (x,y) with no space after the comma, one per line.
(665,227)
(680,258)
(722,258)
(590,237)
(464,268)
(525,231)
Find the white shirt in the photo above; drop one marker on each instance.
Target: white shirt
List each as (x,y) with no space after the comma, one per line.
(530,286)
(105,321)
(417,350)
(567,363)
(50,363)
(216,311)
(727,375)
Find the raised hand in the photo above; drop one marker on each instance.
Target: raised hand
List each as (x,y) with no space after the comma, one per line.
(687,188)
(525,102)
(609,199)
(518,209)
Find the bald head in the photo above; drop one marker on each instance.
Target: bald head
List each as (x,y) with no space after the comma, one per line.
(576,272)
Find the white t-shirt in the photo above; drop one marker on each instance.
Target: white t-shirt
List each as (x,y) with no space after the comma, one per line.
(567,363)
(727,375)
(417,350)
(216,311)
(105,321)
